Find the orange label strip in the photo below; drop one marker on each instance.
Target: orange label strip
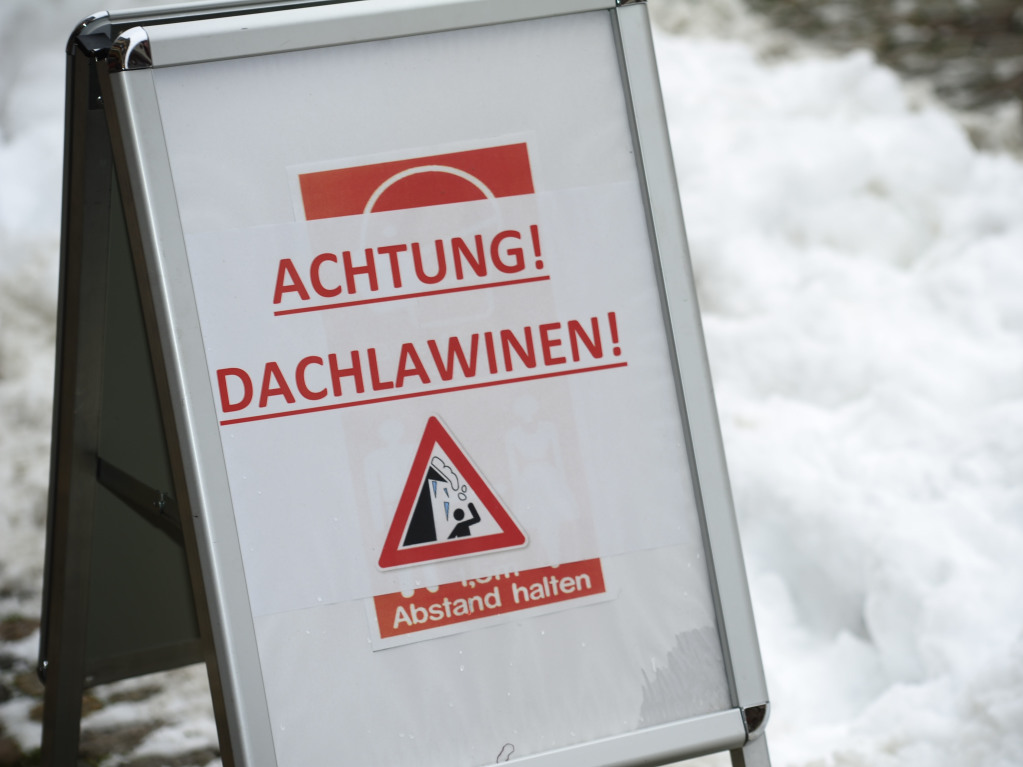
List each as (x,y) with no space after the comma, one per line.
(425,609)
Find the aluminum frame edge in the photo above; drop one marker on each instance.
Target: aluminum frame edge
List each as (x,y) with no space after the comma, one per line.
(231,37)
(710,477)
(661,745)
(151,209)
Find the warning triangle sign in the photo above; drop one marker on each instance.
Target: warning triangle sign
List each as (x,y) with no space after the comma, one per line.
(447,510)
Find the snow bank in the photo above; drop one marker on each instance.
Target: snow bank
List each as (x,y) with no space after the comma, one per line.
(860,268)
(31,128)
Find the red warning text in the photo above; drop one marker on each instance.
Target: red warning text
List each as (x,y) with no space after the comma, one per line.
(409,270)
(398,614)
(328,381)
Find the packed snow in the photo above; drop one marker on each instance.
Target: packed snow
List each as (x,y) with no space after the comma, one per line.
(860,272)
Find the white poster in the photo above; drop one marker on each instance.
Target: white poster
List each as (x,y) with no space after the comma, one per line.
(436,343)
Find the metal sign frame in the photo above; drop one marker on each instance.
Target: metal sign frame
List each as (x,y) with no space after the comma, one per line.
(111,94)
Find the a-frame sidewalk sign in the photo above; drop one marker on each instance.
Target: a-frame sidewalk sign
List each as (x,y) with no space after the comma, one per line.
(381,389)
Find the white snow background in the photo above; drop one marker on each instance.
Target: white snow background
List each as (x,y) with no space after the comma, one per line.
(860,269)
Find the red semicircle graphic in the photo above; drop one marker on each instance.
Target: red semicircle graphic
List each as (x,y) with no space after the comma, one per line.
(427,188)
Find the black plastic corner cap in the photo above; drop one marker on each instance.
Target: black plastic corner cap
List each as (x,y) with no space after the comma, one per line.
(92,35)
(755,718)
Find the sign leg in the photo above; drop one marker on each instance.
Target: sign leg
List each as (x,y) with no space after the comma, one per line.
(753,754)
(77,407)
(62,713)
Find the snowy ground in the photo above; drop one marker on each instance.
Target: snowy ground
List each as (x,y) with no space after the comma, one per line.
(860,267)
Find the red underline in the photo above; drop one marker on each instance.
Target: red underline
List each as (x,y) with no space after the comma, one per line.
(322,307)
(448,390)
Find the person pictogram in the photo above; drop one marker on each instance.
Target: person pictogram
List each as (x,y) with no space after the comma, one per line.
(462,529)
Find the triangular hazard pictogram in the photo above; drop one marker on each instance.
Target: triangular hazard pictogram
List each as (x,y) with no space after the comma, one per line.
(447,510)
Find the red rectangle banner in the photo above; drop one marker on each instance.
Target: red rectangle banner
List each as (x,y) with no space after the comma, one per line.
(477,174)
